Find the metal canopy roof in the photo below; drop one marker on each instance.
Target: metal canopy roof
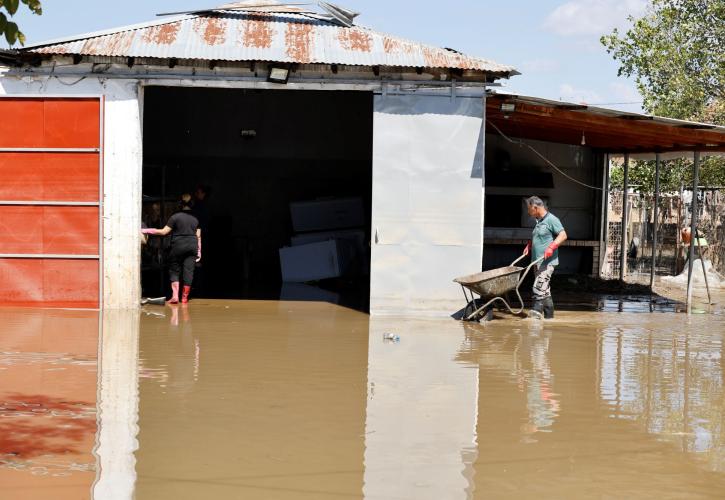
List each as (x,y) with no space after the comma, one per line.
(606,129)
(274,33)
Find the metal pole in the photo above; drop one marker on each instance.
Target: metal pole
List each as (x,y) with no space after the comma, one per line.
(704,271)
(693,231)
(654,225)
(604,230)
(623,249)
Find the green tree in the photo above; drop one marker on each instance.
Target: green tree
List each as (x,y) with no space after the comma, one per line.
(676,54)
(673,173)
(10,29)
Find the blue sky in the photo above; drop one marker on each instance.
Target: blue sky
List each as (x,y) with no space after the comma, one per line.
(554,44)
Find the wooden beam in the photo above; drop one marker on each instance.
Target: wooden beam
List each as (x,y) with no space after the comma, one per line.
(695,133)
(627,131)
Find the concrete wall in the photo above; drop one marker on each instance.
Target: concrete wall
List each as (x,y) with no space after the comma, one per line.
(122,174)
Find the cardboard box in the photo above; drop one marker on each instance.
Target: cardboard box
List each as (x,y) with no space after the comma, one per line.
(327,214)
(355,236)
(316,261)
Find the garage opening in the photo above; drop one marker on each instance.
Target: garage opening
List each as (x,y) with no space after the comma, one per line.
(282,182)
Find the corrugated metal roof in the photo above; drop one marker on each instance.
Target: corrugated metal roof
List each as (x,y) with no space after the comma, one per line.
(290,37)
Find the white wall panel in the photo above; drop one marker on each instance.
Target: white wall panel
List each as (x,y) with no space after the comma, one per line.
(427,209)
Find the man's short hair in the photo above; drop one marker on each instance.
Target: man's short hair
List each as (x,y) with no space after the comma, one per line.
(535,201)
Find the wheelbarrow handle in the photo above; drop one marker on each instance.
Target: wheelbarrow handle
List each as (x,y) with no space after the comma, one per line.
(523,256)
(528,268)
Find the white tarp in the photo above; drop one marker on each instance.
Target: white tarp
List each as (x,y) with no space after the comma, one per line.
(714,280)
(427,213)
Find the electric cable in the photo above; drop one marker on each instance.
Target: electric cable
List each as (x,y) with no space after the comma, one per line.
(57,77)
(551,164)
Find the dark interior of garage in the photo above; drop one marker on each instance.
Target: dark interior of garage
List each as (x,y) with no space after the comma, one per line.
(281,169)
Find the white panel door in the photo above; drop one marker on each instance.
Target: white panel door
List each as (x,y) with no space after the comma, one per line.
(427,213)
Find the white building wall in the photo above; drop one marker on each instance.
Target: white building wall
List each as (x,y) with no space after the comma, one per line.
(427,211)
(122,174)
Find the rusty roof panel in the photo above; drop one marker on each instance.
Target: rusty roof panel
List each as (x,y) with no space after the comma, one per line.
(265,36)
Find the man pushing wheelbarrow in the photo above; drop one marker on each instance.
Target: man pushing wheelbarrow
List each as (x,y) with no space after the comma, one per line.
(546,237)
(492,286)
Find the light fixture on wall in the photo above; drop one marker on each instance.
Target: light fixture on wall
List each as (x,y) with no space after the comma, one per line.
(278,74)
(508,107)
(584,139)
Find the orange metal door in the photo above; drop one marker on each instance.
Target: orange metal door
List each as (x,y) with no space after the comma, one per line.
(51,201)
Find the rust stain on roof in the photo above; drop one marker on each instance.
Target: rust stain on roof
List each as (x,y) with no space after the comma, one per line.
(298,39)
(395,46)
(258,34)
(211,29)
(164,34)
(439,58)
(111,45)
(249,36)
(354,39)
(62,50)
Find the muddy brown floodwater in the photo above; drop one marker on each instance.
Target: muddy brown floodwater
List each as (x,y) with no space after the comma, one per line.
(288,400)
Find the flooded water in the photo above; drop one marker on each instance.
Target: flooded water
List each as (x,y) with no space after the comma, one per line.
(286,400)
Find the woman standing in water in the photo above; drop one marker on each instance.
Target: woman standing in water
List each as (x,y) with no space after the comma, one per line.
(185,249)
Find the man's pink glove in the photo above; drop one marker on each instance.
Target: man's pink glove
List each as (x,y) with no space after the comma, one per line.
(150,230)
(527,249)
(550,250)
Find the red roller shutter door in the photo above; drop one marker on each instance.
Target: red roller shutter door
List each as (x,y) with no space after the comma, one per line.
(50,201)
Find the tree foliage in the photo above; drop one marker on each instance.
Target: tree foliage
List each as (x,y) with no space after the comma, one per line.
(673,173)
(676,54)
(10,29)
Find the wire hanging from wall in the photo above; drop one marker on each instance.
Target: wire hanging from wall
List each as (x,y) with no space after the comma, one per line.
(551,164)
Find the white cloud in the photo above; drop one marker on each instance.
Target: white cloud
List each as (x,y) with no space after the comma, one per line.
(592,17)
(569,93)
(541,66)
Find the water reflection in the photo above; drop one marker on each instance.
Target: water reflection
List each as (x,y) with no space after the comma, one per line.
(47,402)
(118,406)
(670,381)
(421,413)
(290,400)
(252,400)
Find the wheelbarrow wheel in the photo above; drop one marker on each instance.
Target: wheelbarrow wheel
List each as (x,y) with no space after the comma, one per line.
(471,307)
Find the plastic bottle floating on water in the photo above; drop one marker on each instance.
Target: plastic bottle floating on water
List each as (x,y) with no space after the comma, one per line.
(391,337)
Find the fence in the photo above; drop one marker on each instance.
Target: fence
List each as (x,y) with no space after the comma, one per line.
(675,212)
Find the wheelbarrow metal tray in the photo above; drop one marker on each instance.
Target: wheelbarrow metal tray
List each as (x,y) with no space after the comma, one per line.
(493,283)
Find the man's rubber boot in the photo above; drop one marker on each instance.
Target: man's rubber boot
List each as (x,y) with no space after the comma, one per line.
(185,294)
(537,310)
(174,293)
(548,308)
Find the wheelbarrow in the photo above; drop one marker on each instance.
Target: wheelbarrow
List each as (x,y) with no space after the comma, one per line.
(491,287)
